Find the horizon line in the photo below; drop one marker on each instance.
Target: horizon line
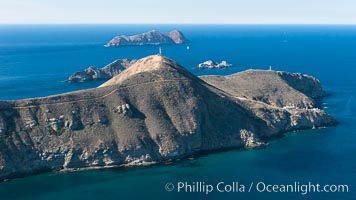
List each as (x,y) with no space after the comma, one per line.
(1,24)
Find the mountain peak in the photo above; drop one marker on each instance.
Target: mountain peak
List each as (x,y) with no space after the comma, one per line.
(152,68)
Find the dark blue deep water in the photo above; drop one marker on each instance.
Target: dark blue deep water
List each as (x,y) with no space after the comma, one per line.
(34,61)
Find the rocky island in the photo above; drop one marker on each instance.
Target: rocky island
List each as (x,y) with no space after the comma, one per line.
(149,38)
(154,111)
(107,72)
(210,64)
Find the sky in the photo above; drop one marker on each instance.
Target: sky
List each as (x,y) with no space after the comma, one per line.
(178,12)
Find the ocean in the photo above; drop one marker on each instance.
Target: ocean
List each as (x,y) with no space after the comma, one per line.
(36,59)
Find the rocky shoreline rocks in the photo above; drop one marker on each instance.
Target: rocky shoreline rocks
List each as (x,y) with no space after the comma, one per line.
(152,112)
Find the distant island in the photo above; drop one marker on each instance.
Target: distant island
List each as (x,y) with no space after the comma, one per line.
(107,72)
(210,64)
(152,112)
(153,37)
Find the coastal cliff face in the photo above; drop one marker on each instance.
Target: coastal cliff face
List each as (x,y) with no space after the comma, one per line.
(151,112)
(149,38)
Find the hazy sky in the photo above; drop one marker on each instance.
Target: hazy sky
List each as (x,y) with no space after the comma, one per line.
(178,11)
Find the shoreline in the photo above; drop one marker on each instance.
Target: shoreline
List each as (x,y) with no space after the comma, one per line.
(166,162)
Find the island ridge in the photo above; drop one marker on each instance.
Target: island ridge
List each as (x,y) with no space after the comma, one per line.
(154,111)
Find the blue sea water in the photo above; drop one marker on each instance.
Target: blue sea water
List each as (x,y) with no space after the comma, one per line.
(35,59)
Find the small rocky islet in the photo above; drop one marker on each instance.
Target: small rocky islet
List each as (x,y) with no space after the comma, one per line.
(155,111)
(210,64)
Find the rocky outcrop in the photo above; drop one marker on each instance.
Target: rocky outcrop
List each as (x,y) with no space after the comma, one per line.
(152,112)
(125,109)
(212,64)
(250,139)
(149,38)
(107,72)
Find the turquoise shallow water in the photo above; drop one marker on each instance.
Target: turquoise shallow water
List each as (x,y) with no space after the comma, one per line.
(35,65)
